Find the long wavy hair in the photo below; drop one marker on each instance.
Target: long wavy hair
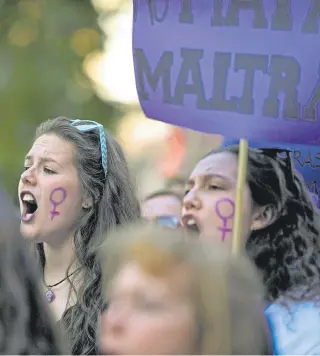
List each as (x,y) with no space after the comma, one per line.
(25,321)
(287,251)
(227,291)
(115,203)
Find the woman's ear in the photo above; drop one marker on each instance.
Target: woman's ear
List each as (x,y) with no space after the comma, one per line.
(262,217)
(87,201)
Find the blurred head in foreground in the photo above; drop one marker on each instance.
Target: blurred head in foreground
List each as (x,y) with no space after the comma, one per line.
(171,295)
(25,322)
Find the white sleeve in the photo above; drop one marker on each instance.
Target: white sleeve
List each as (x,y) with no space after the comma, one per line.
(295,331)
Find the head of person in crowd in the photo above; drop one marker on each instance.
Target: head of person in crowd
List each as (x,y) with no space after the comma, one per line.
(171,294)
(280,226)
(176,184)
(163,206)
(25,321)
(75,187)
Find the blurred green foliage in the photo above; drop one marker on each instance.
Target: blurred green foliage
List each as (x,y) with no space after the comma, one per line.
(43,44)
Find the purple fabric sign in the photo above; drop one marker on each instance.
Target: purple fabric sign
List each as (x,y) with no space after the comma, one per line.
(239,68)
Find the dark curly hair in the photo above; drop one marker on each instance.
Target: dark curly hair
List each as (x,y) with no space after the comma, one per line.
(26,327)
(287,251)
(115,203)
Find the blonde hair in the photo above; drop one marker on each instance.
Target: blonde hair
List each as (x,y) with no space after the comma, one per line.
(228,293)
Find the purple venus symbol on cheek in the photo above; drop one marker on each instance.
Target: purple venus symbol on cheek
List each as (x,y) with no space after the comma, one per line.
(55,202)
(224,228)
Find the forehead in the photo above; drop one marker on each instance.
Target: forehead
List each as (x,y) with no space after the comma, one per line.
(163,200)
(132,277)
(52,146)
(222,163)
(163,205)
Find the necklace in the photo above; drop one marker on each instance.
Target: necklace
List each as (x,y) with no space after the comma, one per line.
(49,293)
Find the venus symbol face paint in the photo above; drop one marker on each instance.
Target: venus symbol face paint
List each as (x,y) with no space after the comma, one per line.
(225,216)
(57,197)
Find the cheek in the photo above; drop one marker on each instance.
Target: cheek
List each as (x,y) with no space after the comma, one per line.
(180,334)
(19,185)
(224,212)
(224,208)
(187,330)
(57,199)
(176,327)
(63,200)
(58,196)
(19,189)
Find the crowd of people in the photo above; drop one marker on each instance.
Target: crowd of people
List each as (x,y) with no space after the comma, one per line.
(91,269)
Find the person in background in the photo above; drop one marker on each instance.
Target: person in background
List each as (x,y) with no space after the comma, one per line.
(75,188)
(170,294)
(25,321)
(176,185)
(280,233)
(164,207)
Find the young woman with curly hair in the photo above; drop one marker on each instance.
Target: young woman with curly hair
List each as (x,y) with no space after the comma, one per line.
(280,231)
(75,188)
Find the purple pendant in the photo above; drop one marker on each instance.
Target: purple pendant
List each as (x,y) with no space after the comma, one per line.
(50,296)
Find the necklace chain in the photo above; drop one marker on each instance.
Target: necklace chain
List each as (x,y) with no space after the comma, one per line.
(56,284)
(49,293)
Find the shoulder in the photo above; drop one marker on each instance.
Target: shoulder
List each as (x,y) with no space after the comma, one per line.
(295,329)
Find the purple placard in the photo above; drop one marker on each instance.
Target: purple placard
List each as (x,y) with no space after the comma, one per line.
(239,68)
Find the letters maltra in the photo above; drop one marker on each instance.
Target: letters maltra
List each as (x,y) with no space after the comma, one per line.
(283,73)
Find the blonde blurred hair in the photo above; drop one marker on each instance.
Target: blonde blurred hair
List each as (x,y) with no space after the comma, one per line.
(228,294)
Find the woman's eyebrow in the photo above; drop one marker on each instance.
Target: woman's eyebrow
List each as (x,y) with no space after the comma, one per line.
(43,159)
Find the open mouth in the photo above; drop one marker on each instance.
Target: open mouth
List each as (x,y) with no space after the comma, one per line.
(30,206)
(190,223)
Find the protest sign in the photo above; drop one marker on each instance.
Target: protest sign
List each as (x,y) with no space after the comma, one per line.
(306,160)
(239,68)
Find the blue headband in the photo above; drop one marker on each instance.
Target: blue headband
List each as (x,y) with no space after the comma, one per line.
(88,125)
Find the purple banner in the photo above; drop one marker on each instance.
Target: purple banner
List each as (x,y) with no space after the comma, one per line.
(306,160)
(239,68)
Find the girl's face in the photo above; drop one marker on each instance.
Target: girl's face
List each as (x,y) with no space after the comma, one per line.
(209,202)
(149,315)
(50,193)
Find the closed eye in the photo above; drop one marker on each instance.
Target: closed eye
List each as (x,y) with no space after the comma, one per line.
(215,187)
(49,171)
